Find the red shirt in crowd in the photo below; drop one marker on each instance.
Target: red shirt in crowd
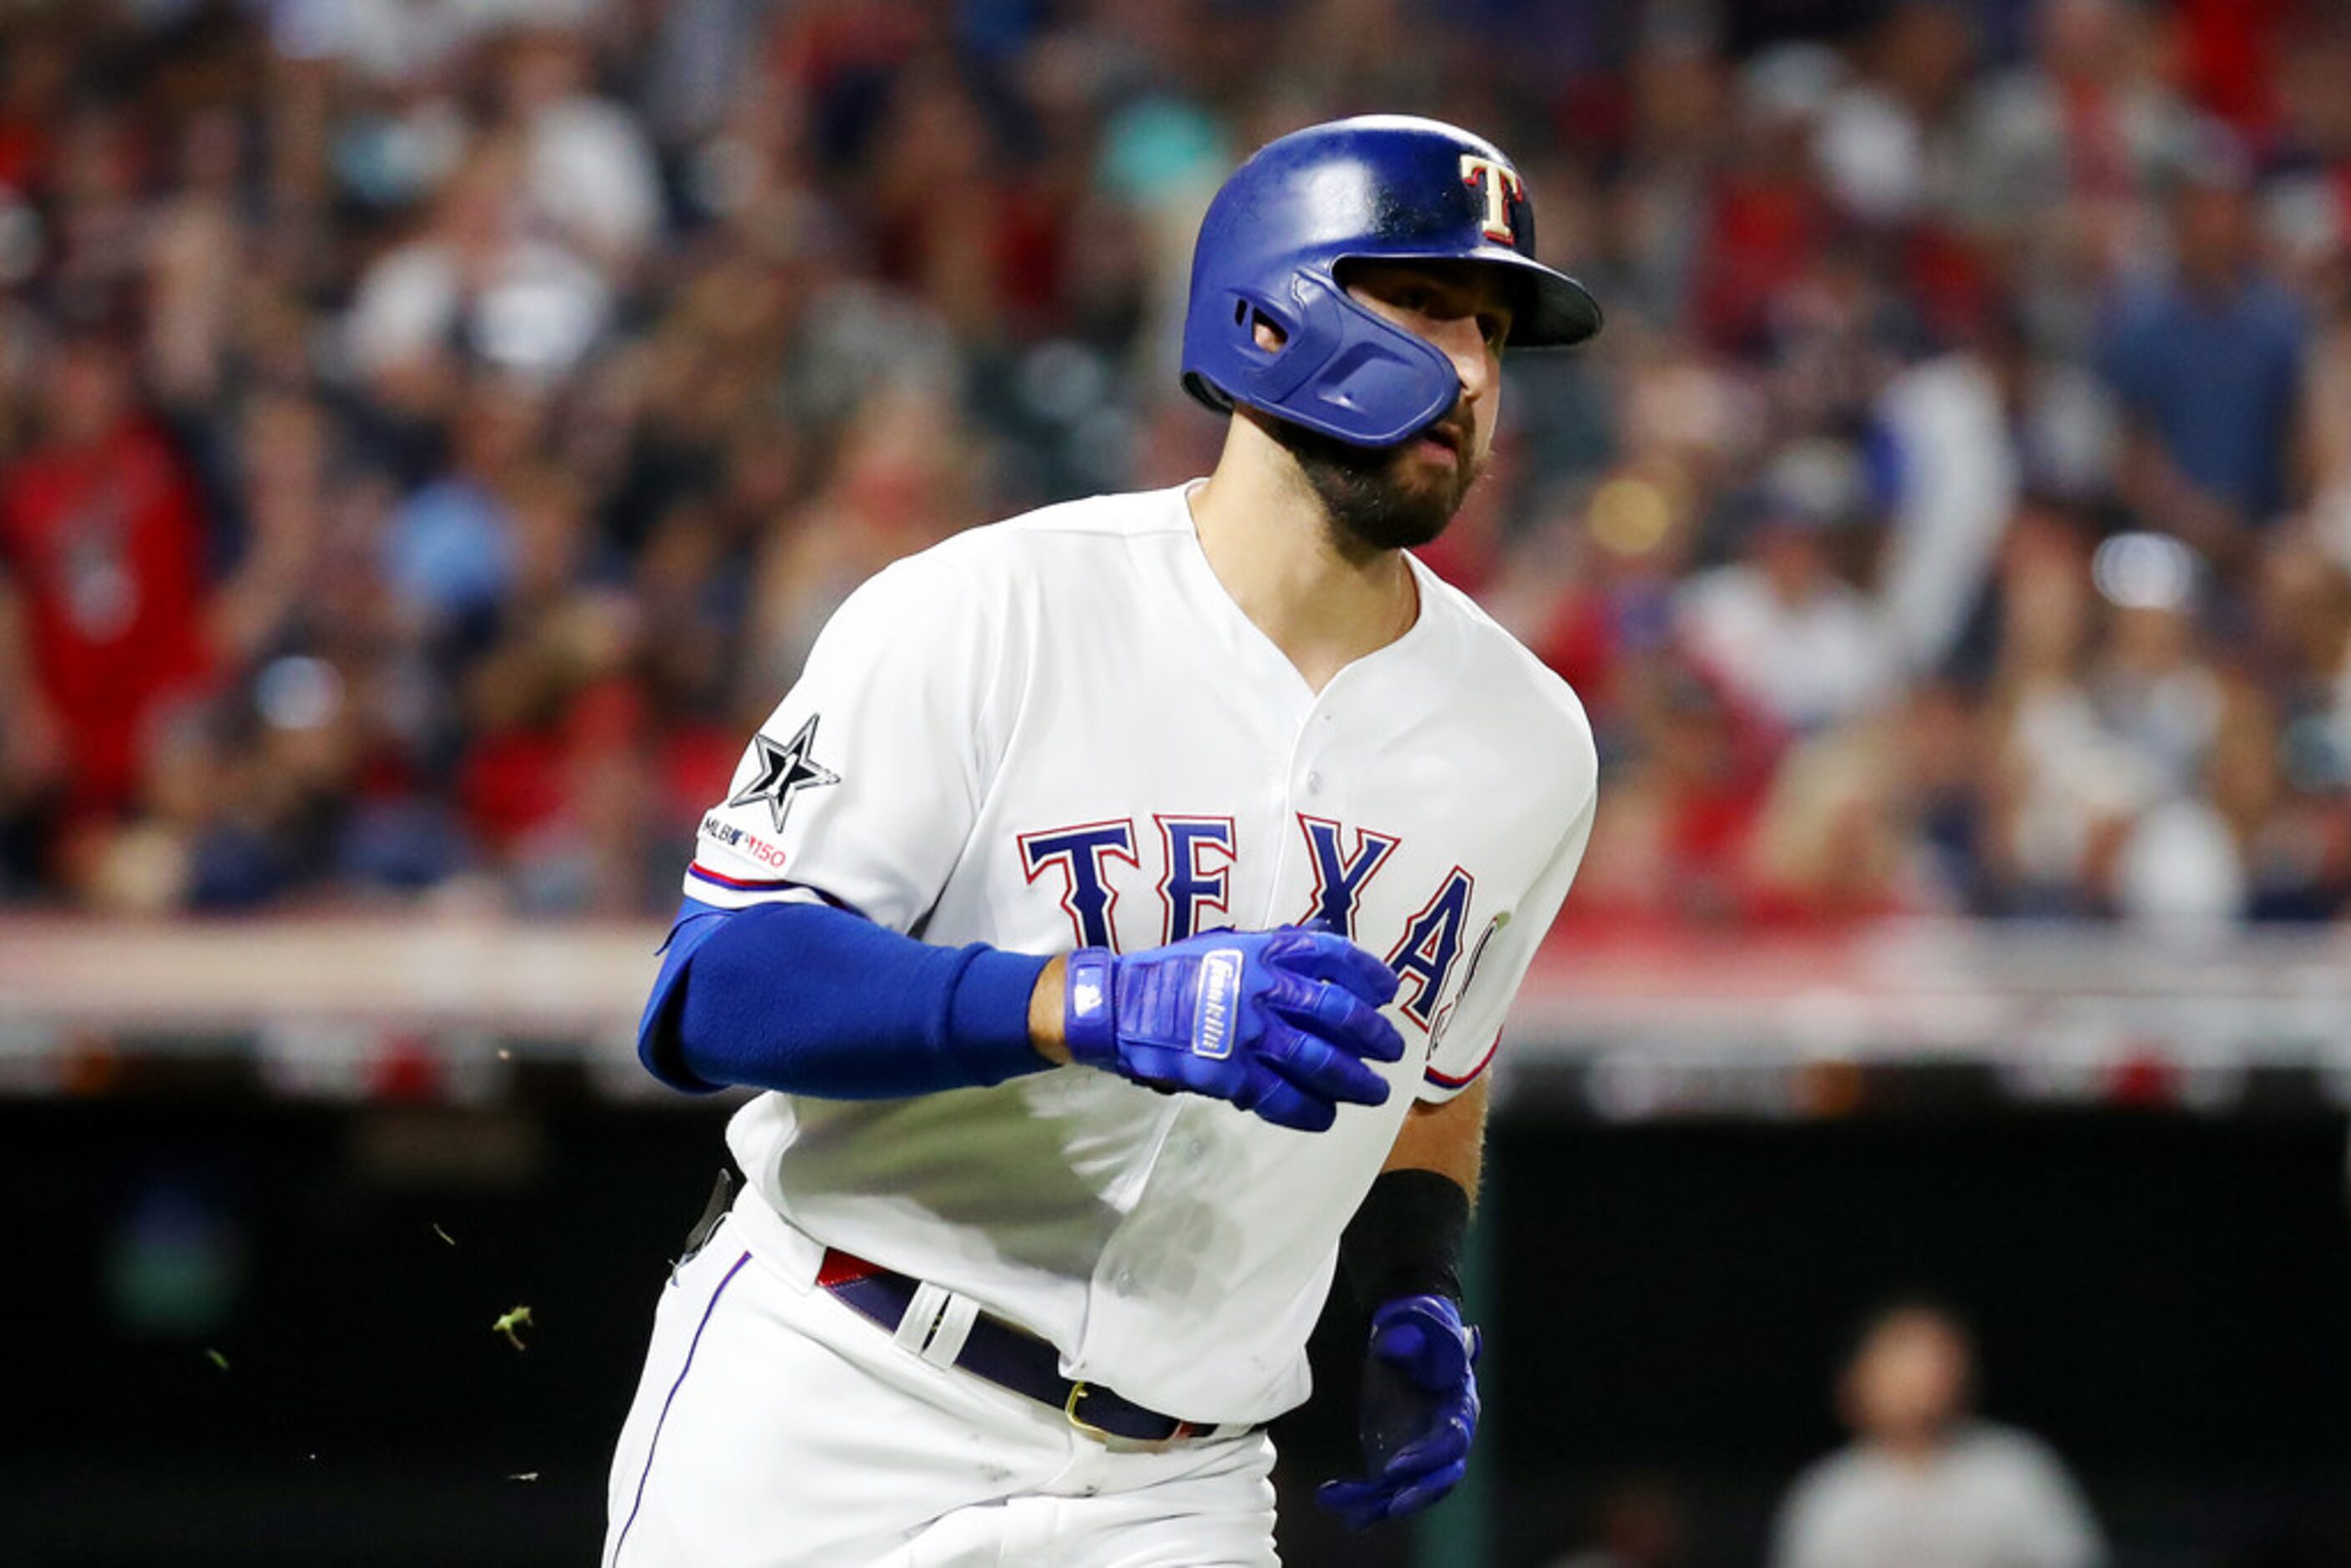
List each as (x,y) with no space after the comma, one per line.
(106,545)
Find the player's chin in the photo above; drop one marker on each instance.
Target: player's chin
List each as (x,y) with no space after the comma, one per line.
(1404,516)
(1444,474)
(1424,491)
(1394,498)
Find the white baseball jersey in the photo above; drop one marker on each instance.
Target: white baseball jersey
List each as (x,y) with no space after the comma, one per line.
(1061,731)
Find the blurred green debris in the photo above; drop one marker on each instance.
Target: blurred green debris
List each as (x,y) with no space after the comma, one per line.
(509,1322)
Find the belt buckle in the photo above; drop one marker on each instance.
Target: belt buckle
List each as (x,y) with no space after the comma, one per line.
(1078,1391)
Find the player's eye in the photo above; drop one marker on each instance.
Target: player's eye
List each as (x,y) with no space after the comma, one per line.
(1495,326)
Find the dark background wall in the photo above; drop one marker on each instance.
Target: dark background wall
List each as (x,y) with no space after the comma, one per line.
(2167,1298)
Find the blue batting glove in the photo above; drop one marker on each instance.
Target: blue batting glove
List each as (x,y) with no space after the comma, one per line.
(1419,1412)
(1280,1023)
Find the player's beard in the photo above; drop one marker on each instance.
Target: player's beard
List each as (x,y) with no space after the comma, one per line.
(1377,496)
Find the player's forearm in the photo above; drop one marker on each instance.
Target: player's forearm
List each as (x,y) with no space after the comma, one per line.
(813,1000)
(1448,1138)
(1406,1237)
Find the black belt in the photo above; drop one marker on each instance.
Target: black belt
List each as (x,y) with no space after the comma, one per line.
(1007,1356)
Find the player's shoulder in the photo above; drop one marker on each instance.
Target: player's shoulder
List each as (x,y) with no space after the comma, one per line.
(1509,680)
(1084,538)
(1091,524)
(1119,517)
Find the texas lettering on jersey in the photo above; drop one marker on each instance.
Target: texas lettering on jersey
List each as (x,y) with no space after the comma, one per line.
(1196,854)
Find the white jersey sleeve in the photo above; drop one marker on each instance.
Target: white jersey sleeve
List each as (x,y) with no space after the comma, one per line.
(1468,1029)
(862,789)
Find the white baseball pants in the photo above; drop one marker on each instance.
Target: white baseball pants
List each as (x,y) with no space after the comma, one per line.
(775,1426)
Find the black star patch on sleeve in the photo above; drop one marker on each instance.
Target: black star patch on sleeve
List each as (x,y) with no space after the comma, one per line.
(784,771)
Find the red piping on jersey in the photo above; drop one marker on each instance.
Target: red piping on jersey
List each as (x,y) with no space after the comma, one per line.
(1442,1080)
(746,884)
(774,885)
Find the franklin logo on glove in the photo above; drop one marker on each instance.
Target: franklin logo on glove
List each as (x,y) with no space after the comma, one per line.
(1220,985)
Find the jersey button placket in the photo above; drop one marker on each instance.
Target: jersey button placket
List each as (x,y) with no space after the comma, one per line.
(1298,794)
(1306,776)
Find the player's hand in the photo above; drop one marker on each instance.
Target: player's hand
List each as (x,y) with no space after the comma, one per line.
(1280,1023)
(1419,1412)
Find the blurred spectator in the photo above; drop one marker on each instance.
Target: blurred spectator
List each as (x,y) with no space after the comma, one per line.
(589,176)
(1889,140)
(1926,1484)
(1779,627)
(2209,366)
(449,548)
(1966,435)
(476,279)
(101,537)
(1877,818)
(2064,151)
(1768,219)
(2282,774)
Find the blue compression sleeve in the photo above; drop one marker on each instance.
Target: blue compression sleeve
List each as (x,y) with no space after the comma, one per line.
(815,1000)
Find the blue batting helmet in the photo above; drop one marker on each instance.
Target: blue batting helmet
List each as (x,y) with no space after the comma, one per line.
(1385,187)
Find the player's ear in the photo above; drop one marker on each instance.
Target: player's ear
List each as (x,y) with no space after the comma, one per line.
(1266,331)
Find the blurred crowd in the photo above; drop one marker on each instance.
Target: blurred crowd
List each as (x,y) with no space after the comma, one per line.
(433,431)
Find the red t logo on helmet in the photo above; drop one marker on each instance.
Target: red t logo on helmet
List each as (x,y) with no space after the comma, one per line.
(1499,184)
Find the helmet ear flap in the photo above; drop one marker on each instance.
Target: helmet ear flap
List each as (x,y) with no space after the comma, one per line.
(1305,325)
(1340,369)
(1377,386)
(1244,369)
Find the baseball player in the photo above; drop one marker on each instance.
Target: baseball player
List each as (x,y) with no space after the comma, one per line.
(1124,904)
